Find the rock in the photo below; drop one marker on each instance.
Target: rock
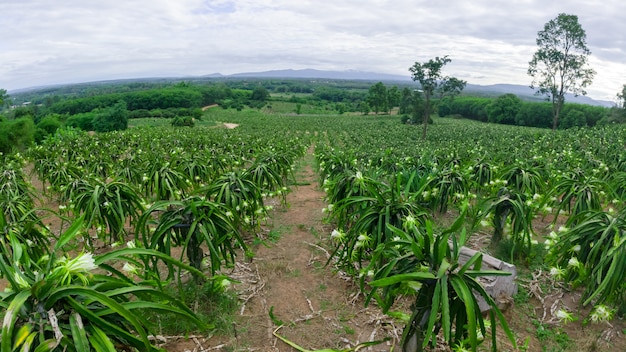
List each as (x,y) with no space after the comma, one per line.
(500,288)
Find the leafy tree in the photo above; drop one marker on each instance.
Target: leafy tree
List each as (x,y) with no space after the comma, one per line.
(418,107)
(559,65)
(260,94)
(406,101)
(393,98)
(377,97)
(621,96)
(573,118)
(47,126)
(364,108)
(16,134)
(504,109)
(429,76)
(451,87)
(114,118)
(4,98)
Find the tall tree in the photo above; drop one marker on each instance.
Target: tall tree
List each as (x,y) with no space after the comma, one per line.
(377,97)
(393,98)
(4,98)
(560,64)
(621,96)
(433,84)
(406,101)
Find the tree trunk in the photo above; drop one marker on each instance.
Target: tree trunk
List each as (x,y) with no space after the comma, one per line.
(426,116)
(556,110)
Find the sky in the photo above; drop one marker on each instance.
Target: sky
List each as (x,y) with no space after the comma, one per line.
(489,41)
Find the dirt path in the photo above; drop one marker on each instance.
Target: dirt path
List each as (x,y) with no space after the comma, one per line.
(318,308)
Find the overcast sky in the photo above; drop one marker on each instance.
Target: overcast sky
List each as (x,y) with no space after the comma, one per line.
(489,41)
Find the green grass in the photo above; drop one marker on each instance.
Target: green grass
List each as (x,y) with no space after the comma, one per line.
(215,307)
(553,339)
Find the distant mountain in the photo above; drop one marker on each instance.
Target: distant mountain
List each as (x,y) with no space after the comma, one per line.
(311,73)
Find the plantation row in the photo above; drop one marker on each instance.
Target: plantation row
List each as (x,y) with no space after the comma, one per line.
(203,189)
(143,192)
(386,190)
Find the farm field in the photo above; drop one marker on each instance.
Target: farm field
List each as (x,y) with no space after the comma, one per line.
(262,208)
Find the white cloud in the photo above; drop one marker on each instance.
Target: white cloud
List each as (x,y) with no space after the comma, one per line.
(489,42)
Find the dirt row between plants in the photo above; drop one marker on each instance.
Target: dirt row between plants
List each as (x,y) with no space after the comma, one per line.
(288,283)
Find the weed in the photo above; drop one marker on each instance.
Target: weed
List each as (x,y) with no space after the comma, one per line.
(212,305)
(552,339)
(275,320)
(294,273)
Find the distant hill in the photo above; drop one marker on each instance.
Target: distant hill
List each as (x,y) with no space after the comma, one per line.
(528,93)
(495,90)
(311,73)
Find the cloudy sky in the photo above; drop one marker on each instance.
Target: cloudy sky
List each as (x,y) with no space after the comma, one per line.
(489,41)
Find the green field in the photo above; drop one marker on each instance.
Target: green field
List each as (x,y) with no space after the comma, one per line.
(400,208)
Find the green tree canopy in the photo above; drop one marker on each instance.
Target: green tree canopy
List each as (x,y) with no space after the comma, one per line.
(377,97)
(621,96)
(433,83)
(560,64)
(504,109)
(114,118)
(4,98)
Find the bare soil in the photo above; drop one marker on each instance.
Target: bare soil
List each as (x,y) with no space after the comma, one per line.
(318,308)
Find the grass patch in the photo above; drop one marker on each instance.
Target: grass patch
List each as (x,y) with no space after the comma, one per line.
(212,304)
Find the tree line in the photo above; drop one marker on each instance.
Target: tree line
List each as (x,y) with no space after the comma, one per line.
(509,109)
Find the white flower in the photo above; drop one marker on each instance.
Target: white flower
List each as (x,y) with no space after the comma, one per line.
(576,248)
(131,244)
(601,313)
(359,175)
(557,272)
(564,316)
(573,262)
(563,229)
(547,244)
(224,283)
(409,221)
(84,262)
(129,268)
(337,235)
